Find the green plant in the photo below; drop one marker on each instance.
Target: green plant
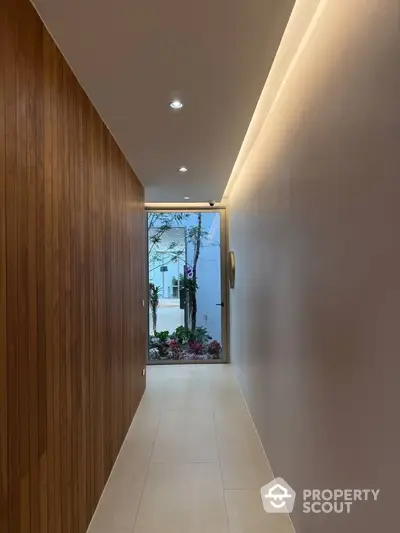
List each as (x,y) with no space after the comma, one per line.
(189,283)
(162,336)
(201,335)
(154,300)
(182,334)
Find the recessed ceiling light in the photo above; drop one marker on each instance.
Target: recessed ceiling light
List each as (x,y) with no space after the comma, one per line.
(176,104)
(187,197)
(183,169)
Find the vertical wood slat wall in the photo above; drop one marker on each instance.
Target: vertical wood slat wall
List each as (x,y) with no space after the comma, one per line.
(72,281)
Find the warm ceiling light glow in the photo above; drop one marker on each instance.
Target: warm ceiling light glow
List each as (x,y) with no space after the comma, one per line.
(183,169)
(299,30)
(176,104)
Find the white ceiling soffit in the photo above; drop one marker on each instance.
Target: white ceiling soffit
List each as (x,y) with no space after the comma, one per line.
(291,46)
(134,56)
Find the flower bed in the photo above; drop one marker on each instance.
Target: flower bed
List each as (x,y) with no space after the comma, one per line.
(183,345)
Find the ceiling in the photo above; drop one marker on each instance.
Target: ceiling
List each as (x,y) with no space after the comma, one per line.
(134,56)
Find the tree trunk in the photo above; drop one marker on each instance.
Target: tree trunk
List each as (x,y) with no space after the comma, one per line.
(154,317)
(196,258)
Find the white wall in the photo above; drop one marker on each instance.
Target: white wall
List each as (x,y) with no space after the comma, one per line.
(315,218)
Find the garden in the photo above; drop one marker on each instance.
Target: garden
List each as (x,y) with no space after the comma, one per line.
(168,247)
(184,345)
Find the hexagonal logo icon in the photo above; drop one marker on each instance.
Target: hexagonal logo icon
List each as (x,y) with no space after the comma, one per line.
(278,496)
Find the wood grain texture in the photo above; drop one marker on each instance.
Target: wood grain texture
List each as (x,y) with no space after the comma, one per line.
(72,281)
(3,304)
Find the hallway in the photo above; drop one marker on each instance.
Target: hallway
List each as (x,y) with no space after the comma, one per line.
(246,152)
(192,461)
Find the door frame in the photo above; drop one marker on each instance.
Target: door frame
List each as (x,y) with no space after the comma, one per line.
(224,246)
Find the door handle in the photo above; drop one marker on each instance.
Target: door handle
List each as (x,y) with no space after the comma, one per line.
(221,304)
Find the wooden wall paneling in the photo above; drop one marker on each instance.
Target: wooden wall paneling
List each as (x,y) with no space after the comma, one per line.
(97,329)
(68,154)
(61,291)
(75,384)
(115,315)
(106,458)
(125,360)
(56,350)
(86,382)
(3,289)
(102,303)
(107,310)
(38,370)
(70,391)
(72,273)
(48,127)
(81,205)
(92,326)
(34,135)
(91,322)
(76,315)
(22,273)
(11,262)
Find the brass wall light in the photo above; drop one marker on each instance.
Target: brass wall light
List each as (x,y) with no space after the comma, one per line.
(231,269)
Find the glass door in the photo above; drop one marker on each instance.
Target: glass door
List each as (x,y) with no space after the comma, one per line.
(187,303)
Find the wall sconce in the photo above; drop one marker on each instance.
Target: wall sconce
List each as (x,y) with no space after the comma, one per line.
(231,269)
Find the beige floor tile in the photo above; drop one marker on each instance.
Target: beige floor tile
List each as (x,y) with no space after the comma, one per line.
(100,529)
(191,437)
(116,512)
(186,436)
(166,373)
(243,462)
(178,394)
(182,498)
(246,514)
(144,425)
(221,374)
(227,401)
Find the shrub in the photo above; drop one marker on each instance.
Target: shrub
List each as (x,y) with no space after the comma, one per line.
(160,345)
(196,347)
(174,349)
(154,300)
(163,336)
(201,335)
(182,334)
(214,349)
(154,354)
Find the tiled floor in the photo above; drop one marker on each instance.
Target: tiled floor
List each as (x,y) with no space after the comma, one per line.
(192,461)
